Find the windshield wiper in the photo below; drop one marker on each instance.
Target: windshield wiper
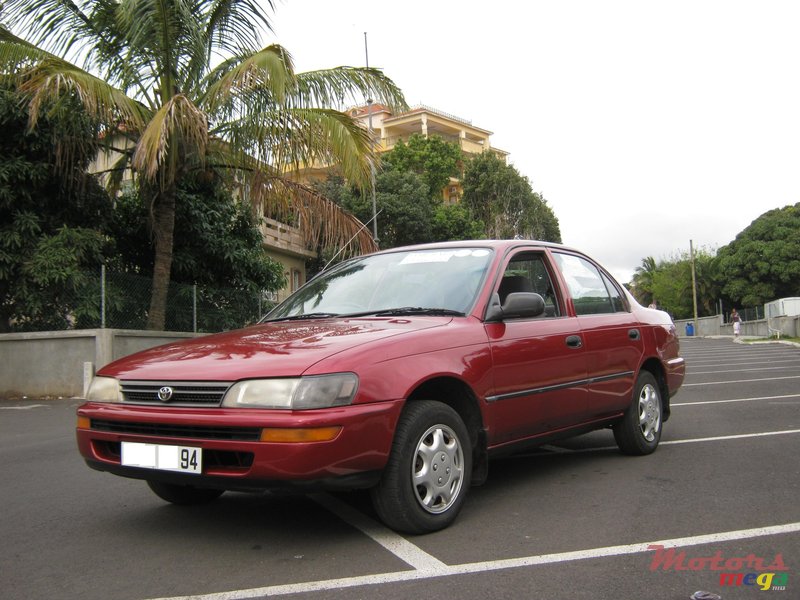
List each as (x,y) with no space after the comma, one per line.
(317,315)
(418,310)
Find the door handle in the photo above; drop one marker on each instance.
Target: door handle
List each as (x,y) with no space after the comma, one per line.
(574,341)
(634,334)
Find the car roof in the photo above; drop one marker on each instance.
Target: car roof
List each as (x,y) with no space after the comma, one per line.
(494,244)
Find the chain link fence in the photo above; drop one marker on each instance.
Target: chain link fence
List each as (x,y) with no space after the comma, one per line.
(755,313)
(122,300)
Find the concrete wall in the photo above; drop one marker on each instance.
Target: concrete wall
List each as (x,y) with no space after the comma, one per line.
(60,363)
(710,326)
(706,326)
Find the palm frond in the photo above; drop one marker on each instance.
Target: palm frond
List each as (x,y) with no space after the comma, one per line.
(270,192)
(177,133)
(17,54)
(295,138)
(59,26)
(233,26)
(266,74)
(322,222)
(347,85)
(53,77)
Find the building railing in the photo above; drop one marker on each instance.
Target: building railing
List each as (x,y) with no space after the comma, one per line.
(441,113)
(283,236)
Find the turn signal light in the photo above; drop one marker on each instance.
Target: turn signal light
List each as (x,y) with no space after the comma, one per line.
(292,435)
(84,423)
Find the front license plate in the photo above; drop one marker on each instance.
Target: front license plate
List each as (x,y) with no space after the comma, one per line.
(183,459)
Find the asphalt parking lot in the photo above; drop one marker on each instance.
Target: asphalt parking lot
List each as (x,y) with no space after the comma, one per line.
(573,521)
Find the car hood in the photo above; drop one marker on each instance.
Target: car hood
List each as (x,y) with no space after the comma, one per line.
(281,349)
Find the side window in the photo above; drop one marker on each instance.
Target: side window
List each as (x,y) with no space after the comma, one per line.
(527,273)
(617,303)
(586,286)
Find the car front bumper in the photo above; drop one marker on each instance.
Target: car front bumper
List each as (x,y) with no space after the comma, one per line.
(235,455)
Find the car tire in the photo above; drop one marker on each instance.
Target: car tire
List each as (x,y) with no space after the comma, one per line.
(428,474)
(639,430)
(184,494)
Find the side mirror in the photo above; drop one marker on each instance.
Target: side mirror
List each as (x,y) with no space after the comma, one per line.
(518,305)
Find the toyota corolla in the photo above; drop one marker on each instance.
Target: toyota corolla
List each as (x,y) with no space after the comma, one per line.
(403,372)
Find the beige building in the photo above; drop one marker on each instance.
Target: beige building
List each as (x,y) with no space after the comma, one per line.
(286,245)
(390,129)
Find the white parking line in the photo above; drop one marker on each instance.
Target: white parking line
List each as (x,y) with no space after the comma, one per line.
(714,372)
(27,407)
(494,565)
(740,381)
(749,362)
(394,543)
(740,436)
(719,438)
(674,404)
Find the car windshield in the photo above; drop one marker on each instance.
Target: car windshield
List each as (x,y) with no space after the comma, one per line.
(430,281)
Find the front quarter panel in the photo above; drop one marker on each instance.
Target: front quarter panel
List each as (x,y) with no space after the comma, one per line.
(392,369)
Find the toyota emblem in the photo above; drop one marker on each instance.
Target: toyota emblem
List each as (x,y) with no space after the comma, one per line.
(165,393)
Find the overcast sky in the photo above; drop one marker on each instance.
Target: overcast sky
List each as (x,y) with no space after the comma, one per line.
(644,124)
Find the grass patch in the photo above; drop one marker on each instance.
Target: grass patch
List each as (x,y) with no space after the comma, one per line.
(772,339)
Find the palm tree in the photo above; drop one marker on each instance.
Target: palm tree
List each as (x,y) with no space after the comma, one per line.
(188,84)
(643,279)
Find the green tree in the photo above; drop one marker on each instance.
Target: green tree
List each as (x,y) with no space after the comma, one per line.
(411,211)
(763,262)
(52,221)
(672,284)
(642,282)
(189,87)
(218,246)
(454,222)
(503,199)
(432,158)
(405,205)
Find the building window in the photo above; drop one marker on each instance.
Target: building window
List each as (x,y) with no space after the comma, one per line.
(296,280)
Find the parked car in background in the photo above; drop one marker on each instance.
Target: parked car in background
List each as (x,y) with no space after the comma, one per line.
(403,371)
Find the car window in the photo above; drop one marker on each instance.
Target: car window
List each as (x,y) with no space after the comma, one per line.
(527,272)
(617,303)
(439,279)
(586,286)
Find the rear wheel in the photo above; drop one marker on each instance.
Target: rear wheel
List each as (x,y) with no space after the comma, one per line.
(184,494)
(639,431)
(428,474)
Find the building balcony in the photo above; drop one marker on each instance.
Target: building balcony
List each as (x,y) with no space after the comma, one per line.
(284,238)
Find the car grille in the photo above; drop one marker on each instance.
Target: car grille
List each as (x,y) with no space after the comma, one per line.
(246,434)
(181,393)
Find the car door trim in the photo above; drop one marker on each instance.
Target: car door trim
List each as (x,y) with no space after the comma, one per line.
(560,386)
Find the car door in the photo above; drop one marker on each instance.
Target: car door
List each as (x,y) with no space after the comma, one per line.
(539,364)
(611,335)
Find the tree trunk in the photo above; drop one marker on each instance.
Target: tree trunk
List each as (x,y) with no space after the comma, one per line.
(163,230)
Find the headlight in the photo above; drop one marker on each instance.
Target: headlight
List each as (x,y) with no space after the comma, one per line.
(302,393)
(104,389)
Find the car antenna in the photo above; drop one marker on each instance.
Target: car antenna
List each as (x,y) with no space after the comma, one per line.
(360,229)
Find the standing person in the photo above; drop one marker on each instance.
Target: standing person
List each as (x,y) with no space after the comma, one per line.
(737,323)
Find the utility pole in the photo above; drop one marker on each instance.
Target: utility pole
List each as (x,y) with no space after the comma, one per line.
(372,148)
(694,286)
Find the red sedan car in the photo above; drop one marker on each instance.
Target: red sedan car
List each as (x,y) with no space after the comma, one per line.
(402,371)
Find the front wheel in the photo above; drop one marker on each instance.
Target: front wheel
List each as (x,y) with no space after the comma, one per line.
(639,430)
(184,494)
(428,473)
